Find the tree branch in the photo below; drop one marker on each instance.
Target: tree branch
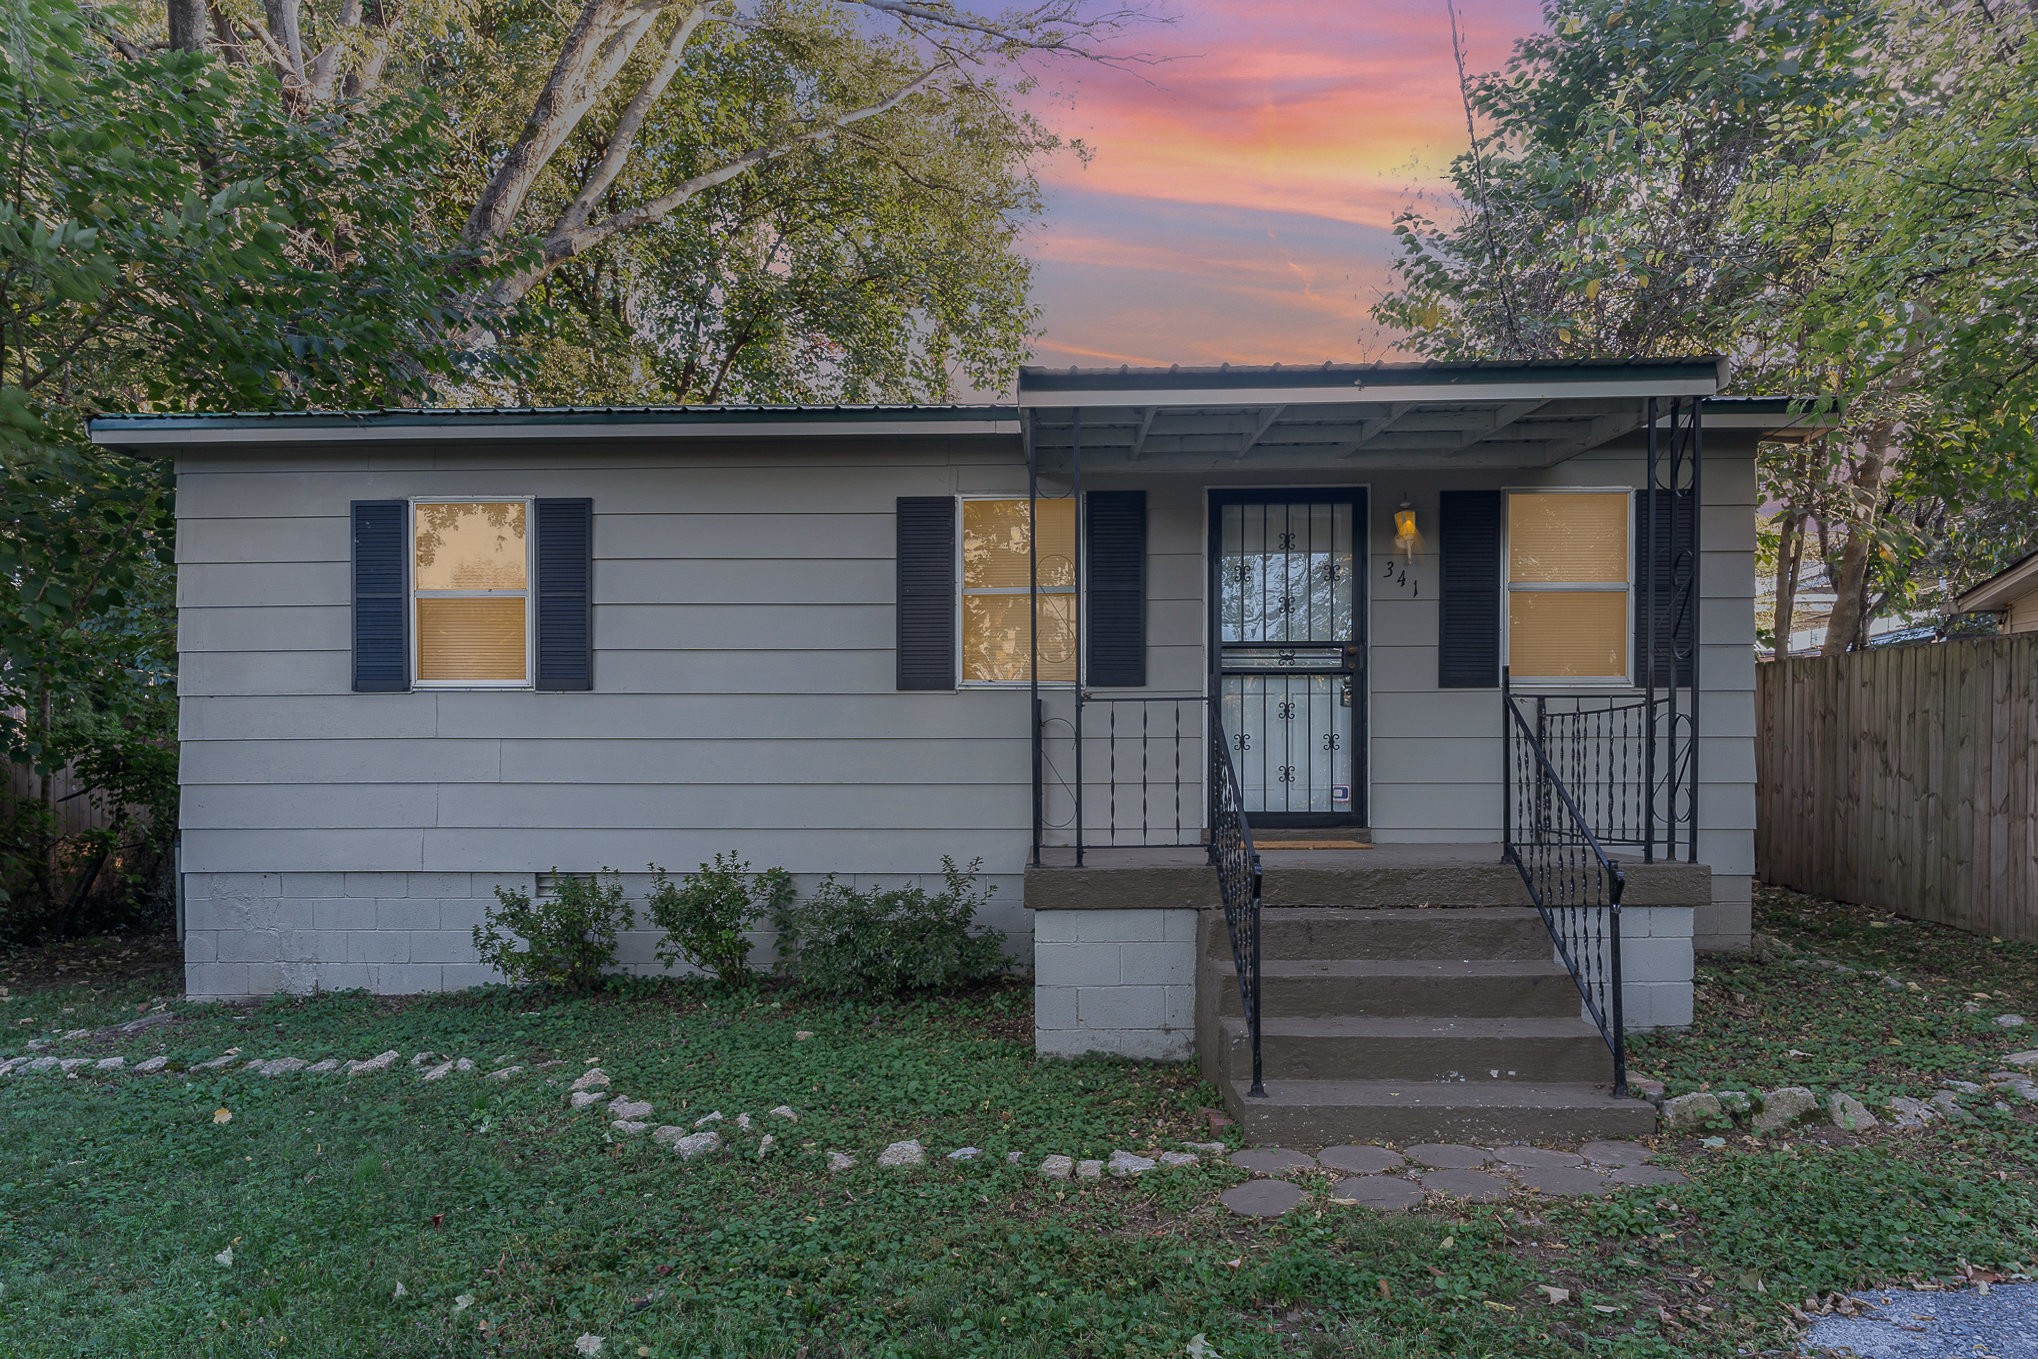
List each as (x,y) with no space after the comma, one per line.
(623,140)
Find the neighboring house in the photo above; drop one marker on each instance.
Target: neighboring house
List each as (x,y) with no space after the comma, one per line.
(2011,594)
(424,653)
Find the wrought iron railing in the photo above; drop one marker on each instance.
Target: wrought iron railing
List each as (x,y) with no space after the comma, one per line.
(1575,885)
(1140,781)
(1600,746)
(1239,882)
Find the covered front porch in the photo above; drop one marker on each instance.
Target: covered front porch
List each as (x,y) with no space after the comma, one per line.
(1298,815)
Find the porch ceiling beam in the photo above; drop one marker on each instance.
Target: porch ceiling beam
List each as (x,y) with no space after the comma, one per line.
(1595,433)
(1145,425)
(1266,422)
(1500,418)
(1374,428)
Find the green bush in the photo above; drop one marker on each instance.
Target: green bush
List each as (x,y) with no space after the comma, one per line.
(705,915)
(842,942)
(568,938)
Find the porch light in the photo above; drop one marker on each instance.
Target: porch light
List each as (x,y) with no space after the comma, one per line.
(1406,539)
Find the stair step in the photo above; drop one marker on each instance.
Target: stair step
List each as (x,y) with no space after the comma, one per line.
(1385,987)
(1420,1048)
(1313,1113)
(1294,881)
(1316,932)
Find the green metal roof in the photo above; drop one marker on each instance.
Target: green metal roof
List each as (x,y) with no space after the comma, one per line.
(107,428)
(1350,376)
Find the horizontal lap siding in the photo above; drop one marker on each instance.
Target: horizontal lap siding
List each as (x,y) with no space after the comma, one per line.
(744,700)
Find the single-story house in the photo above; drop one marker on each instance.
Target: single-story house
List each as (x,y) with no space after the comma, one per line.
(1372,640)
(2011,594)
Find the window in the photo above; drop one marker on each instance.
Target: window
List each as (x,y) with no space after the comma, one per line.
(470,583)
(1568,566)
(996,585)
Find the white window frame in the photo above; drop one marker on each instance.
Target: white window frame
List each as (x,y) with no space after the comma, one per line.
(1508,585)
(962,589)
(529,593)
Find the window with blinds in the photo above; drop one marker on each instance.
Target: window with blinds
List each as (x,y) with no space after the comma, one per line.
(1569,567)
(470,586)
(997,589)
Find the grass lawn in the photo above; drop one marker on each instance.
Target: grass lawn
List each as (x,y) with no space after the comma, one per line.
(362,1211)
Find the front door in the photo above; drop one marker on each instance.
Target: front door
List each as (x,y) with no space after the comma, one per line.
(1288,650)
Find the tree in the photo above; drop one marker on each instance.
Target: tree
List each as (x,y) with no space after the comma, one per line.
(827,188)
(1717,176)
(153,257)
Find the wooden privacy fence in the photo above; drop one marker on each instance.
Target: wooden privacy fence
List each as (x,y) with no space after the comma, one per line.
(1903,778)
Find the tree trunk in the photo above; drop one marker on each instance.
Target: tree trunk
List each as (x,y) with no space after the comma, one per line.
(1789,560)
(1850,578)
(189,25)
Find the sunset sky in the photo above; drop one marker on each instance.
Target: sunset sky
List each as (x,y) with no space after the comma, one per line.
(1238,203)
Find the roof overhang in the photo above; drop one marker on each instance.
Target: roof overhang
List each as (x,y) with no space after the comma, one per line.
(2000,590)
(495,424)
(1352,415)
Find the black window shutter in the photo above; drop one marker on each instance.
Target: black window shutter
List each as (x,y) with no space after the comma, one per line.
(381,597)
(1468,606)
(565,615)
(1676,528)
(1116,640)
(927,592)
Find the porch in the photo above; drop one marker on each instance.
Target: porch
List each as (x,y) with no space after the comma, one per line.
(1333,566)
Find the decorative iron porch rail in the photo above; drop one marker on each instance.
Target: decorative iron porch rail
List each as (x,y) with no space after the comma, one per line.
(1238,881)
(1599,747)
(1576,887)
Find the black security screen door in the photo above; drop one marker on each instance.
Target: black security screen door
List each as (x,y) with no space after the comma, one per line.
(1288,628)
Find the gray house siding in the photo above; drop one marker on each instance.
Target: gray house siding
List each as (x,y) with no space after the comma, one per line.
(743,606)
(743,701)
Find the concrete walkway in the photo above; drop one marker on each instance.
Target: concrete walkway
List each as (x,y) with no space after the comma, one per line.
(1909,1324)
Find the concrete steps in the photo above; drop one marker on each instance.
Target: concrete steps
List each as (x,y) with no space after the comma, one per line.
(1388,1018)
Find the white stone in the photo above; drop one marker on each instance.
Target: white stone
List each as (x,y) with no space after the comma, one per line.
(1206,1148)
(323,1068)
(1781,1108)
(840,1161)
(588,1345)
(150,1066)
(424,1059)
(1177,1159)
(109,1064)
(2010,1021)
(629,1108)
(965,1154)
(463,1066)
(764,1144)
(668,1133)
(580,1099)
(36,1044)
(1013,1158)
(439,1072)
(743,1122)
(1948,1105)
(39,1064)
(1910,1113)
(1850,1114)
(629,1127)
(76,1034)
(1698,1110)
(2023,1058)
(505,1074)
(785,1111)
(1089,1170)
(7,1067)
(1124,1163)
(283,1066)
(705,1119)
(594,1078)
(907,1153)
(1057,1167)
(70,1064)
(697,1144)
(381,1062)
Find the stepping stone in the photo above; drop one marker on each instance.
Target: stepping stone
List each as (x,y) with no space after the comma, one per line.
(1360,1160)
(1471,1185)
(629,1127)
(1271,1161)
(1089,1170)
(1057,1167)
(1262,1198)
(109,1064)
(1538,1158)
(1448,1156)
(324,1067)
(592,1079)
(151,1066)
(838,1160)
(1124,1163)
(1564,1180)
(1382,1193)
(1176,1160)
(629,1110)
(965,1154)
(380,1062)
(1615,1153)
(1645,1175)
(907,1153)
(580,1099)
(697,1144)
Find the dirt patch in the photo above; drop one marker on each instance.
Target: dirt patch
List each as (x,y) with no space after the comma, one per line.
(157,959)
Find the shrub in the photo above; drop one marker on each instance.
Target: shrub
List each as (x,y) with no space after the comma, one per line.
(841,941)
(568,938)
(705,915)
